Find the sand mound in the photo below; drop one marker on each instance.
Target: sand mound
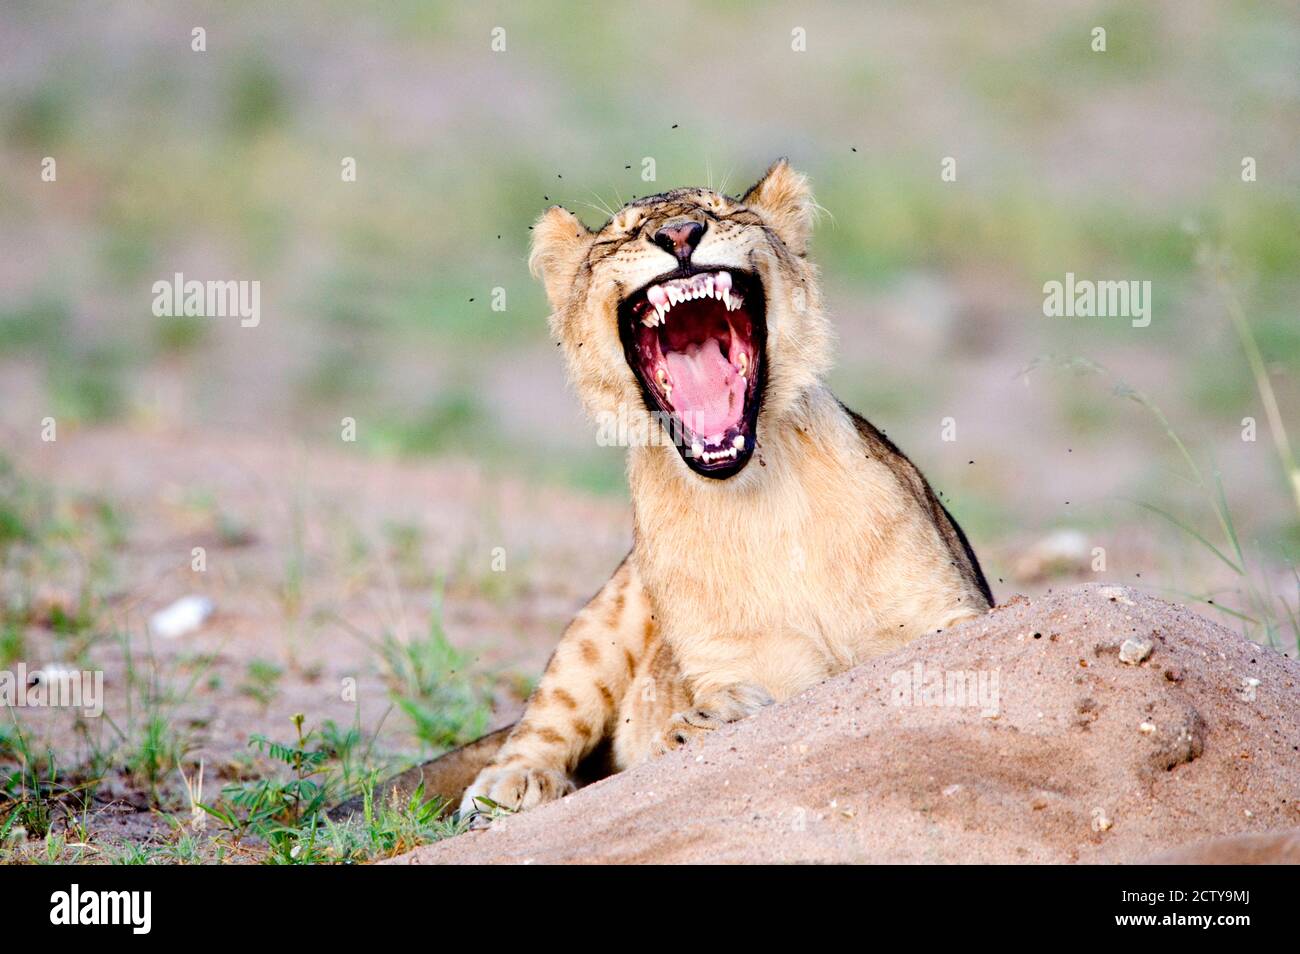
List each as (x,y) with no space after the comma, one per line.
(1093,725)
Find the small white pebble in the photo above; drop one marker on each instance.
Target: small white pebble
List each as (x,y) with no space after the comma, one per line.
(50,673)
(181,618)
(1147,728)
(1135,651)
(1099,820)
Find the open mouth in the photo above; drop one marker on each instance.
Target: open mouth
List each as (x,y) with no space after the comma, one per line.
(694,338)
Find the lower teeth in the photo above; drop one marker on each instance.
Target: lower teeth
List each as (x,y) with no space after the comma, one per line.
(710,456)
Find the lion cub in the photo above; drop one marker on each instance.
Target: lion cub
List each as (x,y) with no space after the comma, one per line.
(779,537)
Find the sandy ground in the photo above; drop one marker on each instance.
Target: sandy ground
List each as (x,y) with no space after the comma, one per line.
(1078,756)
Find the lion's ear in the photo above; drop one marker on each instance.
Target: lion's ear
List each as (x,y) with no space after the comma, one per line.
(785,199)
(559,242)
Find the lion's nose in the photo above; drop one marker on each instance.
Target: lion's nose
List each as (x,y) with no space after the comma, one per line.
(680,238)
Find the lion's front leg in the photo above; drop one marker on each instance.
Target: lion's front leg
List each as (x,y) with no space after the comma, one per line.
(574,706)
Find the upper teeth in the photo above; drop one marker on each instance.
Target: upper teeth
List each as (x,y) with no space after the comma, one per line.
(704,285)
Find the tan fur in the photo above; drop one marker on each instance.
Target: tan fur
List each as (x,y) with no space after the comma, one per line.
(828,548)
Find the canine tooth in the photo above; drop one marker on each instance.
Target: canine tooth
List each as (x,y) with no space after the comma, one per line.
(697,449)
(738,442)
(726,298)
(722,280)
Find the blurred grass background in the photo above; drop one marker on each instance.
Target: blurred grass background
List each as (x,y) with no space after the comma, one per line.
(376,294)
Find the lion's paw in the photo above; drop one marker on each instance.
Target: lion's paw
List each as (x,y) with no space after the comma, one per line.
(730,705)
(511,788)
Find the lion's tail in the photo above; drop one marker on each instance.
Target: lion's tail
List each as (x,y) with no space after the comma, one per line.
(445,777)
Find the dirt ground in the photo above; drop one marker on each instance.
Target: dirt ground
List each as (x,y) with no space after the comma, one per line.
(1083,750)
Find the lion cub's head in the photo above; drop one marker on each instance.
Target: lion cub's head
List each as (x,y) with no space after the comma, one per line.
(697,307)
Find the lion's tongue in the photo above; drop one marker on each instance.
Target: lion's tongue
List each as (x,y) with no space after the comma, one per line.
(708,393)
